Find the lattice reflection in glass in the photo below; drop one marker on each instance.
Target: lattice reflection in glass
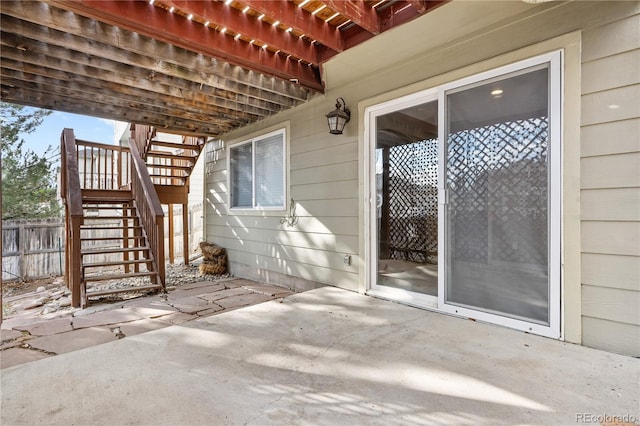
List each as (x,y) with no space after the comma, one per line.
(413,201)
(497,182)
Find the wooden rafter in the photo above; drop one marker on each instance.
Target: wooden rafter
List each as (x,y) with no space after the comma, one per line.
(127,47)
(139,61)
(144,18)
(357,11)
(297,18)
(235,21)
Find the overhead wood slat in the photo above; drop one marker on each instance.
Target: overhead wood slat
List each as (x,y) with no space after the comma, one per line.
(358,11)
(292,16)
(234,20)
(144,18)
(131,60)
(154,55)
(41,99)
(121,94)
(125,106)
(226,99)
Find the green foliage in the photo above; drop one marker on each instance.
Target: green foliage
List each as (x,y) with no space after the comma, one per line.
(28,180)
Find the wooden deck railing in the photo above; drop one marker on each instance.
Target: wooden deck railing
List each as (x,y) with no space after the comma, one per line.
(102,166)
(142,136)
(72,198)
(150,211)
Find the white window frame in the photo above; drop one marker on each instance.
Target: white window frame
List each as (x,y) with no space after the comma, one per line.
(285,166)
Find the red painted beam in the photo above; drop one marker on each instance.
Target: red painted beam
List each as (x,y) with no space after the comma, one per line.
(172,28)
(292,16)
(357,10)
(234,20)
(404,11)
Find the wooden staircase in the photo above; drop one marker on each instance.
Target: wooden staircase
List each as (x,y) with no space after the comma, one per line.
(113,198)
(114,245)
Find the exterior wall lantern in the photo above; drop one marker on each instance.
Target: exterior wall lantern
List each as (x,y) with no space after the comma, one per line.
(338,117)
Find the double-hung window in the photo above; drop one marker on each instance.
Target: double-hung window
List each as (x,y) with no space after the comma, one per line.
(257,172)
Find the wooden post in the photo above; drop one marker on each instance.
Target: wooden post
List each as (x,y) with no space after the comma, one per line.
(76,294)
(22,265)
(185,233)
(171,234)
(125,236)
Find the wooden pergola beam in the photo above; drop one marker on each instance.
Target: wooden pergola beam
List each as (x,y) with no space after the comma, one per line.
(359,12)
(294,17)
(234,20)
(146,19)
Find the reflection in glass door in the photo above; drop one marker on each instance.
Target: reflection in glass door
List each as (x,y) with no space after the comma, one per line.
(406,189)
(498,212)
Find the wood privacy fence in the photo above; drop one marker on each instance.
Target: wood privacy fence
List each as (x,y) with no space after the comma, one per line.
(33,249)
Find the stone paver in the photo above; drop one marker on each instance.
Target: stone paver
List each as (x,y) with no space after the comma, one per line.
(222,294)
(46,334)
(72,340)
(7,335)
(116,316)
(17,356)
(190,304)
(46,328)
(211,309)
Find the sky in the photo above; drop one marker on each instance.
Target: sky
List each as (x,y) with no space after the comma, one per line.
(84,127)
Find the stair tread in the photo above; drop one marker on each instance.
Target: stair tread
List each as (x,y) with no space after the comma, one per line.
(167,166)
(167,154)
(103,207)
(110,217)
(115,263)
(114,250)
(168,177)
(110,227)
(176,145)
(136,237)
(107,277)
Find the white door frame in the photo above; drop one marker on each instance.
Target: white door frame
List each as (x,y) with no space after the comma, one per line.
(438,303)
(553,190)
(371,248)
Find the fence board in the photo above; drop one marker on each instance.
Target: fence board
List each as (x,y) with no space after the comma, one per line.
(33,249)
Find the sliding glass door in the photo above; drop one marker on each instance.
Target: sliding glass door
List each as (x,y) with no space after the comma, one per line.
(501,216)
(464,183)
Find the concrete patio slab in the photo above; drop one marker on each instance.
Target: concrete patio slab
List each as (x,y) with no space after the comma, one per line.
(327,356)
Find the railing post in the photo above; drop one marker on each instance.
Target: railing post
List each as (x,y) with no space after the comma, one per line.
(76,293)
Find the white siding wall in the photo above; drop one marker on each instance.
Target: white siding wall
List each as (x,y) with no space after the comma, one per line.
(456,40)
(610,186)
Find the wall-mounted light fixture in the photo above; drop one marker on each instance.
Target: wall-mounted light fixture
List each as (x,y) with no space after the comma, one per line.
(338,117)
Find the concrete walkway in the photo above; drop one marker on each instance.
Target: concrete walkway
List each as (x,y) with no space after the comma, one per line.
(325,357)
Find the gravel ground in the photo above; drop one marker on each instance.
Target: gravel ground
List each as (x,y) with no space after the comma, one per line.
(51,295)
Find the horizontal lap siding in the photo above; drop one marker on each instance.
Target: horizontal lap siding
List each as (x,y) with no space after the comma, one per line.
(323,181)
(610,186)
